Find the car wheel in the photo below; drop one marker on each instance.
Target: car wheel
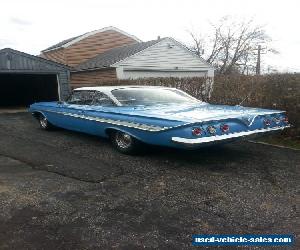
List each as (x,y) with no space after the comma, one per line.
(125,143)
(44,123)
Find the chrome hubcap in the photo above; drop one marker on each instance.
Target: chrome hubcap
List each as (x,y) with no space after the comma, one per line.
(123,140)
(43,122)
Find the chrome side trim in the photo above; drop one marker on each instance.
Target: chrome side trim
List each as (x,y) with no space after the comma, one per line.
(140,126)
(223,137)
(235,117)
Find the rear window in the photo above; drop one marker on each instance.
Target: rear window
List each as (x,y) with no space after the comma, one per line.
(149,96)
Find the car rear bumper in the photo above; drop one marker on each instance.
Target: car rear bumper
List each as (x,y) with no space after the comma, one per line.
(218,138)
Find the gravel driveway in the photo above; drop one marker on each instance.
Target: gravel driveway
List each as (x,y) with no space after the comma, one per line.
(65,190)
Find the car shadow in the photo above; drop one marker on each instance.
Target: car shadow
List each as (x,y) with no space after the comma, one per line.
(213,157)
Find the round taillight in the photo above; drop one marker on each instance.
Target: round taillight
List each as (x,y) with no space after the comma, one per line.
(285,119)
(211,129)
(267,122)
(224,128)
(276,120)
(197,131)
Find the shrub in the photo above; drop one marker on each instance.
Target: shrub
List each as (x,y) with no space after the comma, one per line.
(276,91)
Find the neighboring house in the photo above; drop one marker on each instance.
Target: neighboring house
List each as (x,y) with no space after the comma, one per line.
(77,49)
(134,59)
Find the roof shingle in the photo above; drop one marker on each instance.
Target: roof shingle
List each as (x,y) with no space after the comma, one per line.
(112,56)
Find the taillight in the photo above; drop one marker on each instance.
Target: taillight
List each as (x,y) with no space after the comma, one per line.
(267,122)
(224,128)
(276,120)
(197,131)
(285,119)
(211,129)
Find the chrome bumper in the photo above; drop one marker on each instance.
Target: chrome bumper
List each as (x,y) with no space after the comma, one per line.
(196,141)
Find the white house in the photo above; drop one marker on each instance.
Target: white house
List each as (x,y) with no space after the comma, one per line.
(164,57)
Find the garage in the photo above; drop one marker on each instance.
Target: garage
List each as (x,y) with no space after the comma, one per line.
(25,79)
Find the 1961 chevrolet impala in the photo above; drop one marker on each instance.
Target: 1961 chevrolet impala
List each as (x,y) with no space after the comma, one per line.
(132,115)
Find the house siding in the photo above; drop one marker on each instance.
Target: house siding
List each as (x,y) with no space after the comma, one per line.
(164,59)
(92,78)
(136,74)
(88,47)
(57,55)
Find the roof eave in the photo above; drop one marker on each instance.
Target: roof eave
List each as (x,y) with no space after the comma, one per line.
(77,39)
(48,50)
(92,69)
(99,31)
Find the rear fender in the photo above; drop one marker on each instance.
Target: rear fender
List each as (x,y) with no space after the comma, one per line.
(37,114)
(108,130)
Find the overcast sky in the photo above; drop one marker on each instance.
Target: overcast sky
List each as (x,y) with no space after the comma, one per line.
(33,25)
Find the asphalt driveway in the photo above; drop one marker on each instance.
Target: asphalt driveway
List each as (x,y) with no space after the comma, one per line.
(65,190)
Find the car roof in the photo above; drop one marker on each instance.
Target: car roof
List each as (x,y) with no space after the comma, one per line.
(106,89)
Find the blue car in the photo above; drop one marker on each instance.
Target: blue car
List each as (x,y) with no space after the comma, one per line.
(134,115)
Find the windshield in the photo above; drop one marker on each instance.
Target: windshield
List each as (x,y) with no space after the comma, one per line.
(145,96)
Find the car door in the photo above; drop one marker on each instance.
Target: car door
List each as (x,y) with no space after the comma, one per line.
(74,110)
(99,111)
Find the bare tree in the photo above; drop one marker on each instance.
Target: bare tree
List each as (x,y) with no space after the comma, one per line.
(233,45)
(198,44)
